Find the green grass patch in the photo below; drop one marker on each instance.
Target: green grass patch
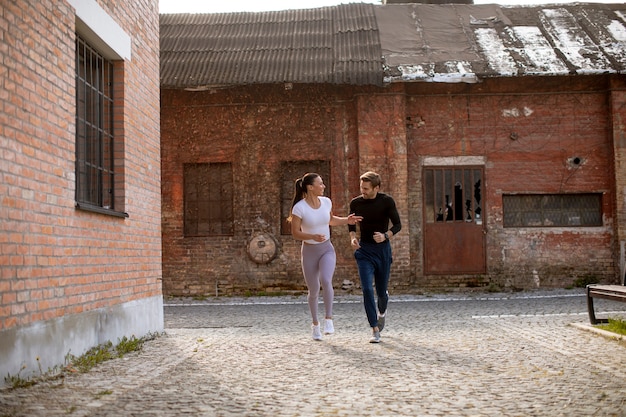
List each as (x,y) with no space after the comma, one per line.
(82,363)
(103,393)
(615,326)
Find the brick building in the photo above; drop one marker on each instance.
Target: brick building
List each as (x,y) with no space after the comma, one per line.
(80,242)
(498,130)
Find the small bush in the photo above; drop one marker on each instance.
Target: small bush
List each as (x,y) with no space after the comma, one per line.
(582,282)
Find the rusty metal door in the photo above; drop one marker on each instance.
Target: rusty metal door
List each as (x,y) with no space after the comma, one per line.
(454,227)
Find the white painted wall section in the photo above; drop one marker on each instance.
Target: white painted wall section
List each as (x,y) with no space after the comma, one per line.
(101,31)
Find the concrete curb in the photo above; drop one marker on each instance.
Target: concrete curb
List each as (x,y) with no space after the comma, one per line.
(601,332)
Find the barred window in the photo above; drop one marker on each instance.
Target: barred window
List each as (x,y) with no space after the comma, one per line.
(95,175)
(208,199)
(552,210)
(291,171)
(453,194)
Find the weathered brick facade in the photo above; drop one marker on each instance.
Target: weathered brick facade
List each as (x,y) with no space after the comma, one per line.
(617,131)
(525,130)
(65,271)
(255,129)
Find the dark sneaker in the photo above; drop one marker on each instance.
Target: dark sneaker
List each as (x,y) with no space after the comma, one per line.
(381,322)
(375,337)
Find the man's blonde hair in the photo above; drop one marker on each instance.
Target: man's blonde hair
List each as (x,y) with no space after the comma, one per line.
(371,177)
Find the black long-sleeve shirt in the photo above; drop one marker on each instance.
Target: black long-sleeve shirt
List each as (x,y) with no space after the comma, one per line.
(377,213)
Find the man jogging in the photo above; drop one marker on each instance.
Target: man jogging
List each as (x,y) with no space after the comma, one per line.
(373,250)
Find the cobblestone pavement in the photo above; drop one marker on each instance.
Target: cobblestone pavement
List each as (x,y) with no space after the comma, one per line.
(441,355)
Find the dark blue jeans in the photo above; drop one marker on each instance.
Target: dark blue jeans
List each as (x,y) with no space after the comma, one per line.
(374,263)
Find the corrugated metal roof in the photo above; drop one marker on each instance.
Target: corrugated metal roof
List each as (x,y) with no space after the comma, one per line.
(363,44)
(463,43)
(337,45)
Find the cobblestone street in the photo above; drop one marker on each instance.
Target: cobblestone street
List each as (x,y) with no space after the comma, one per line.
(441,355)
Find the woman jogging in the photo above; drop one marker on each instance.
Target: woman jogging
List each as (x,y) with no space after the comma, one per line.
(311,218)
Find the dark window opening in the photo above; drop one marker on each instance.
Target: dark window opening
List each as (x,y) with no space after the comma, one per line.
(453,195)
(208,199)
(552,210)
(95,160)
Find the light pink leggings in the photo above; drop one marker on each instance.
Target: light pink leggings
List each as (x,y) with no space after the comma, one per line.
(318,267)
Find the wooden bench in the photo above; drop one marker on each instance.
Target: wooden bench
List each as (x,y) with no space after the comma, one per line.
(609,292)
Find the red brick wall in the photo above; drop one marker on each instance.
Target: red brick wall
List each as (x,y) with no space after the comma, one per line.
(256,129)
(390,130)
(551,120)
(57,260)
(617,107)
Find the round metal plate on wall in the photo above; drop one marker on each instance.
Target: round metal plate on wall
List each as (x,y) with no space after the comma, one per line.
(262,248)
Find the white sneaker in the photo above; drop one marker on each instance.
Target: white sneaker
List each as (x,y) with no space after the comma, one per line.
(317,333)
(328,326)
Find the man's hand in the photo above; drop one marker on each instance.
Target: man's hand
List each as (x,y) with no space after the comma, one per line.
(379,237)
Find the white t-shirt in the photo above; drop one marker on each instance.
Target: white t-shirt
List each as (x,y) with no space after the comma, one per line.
(314,221)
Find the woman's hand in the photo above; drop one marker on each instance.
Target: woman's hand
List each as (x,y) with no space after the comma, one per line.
(319,238)
(354,219)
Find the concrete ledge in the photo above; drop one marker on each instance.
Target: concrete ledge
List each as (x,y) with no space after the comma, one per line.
(592,329)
